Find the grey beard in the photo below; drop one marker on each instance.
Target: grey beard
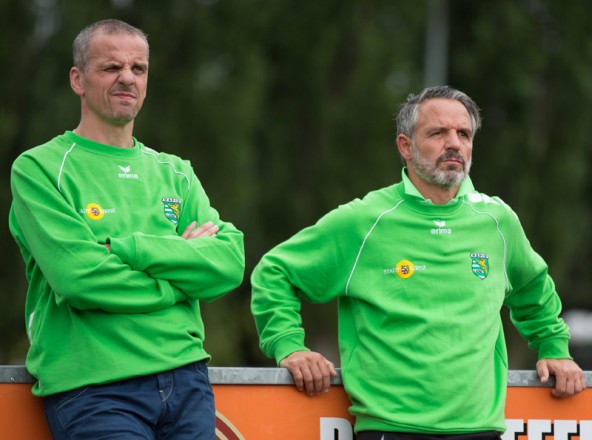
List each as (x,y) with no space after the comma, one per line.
(432,174)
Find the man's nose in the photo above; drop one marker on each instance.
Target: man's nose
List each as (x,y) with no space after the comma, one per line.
(126,76)
(453,140)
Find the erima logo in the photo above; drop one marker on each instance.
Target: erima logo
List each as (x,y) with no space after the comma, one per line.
(441,228)
(126,173)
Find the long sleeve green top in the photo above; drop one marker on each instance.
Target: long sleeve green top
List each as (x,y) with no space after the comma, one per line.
(419,288)
(93,315)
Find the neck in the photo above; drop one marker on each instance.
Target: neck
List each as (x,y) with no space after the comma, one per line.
(109,134)
(439,195)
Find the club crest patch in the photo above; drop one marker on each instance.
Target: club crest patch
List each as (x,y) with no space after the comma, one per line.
(480,265)
(171,209)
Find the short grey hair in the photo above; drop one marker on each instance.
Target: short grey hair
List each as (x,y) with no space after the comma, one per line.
(109,27)
(409,110)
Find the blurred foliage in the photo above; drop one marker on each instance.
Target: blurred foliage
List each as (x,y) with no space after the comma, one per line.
(286,110)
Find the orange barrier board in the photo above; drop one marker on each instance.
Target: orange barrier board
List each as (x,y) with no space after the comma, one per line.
(264,411)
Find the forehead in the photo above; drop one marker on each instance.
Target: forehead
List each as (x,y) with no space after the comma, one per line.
(443,112)
(118,47)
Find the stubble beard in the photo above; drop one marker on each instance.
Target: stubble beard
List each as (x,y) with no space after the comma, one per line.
(432,173)
(123,116)
(123,112)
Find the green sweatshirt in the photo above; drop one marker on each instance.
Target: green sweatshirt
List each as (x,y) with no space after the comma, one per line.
(419,287)
(95,316)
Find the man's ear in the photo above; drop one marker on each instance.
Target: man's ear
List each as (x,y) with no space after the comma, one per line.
(404,145)
(76,81)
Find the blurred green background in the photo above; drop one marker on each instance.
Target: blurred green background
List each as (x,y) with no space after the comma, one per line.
(286,110)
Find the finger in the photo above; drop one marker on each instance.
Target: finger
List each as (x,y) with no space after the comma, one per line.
(320,378)
(298,379)
(297,376)
(581,382)
(322,369)
(543,371)
(332,369)
(294,370)
(570,389)
(208,229)
(186,233)
(310,379)
(560,388)
(570,385)
(330,372)
(312,375)
(310,371)
(325,384)
(212,230)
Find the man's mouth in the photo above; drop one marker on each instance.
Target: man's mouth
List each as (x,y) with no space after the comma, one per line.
(124,94)
(451,159)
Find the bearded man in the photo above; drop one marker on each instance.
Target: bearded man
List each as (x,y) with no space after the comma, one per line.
(420,270)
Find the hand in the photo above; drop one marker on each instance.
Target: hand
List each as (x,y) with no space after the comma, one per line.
(569,377)
(192,231)
(311,371)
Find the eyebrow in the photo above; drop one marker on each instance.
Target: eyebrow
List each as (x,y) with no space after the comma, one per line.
(437,128)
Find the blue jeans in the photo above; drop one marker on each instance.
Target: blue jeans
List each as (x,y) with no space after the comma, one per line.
(176,404)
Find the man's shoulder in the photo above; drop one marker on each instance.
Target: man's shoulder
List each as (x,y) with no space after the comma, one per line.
(371,204)
(379,199)
(164,157)
(359,214)
(492,204)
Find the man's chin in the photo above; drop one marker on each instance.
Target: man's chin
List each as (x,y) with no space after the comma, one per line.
(450,178)
(124,117)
